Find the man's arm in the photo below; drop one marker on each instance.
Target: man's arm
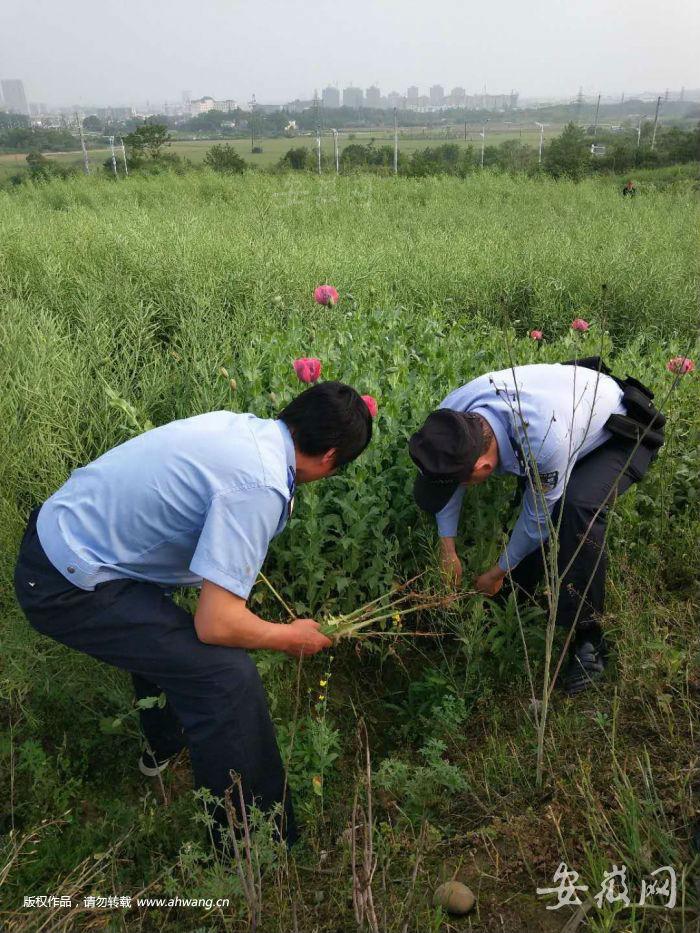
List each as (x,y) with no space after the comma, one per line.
(222,618)
(532,526)
(447,524)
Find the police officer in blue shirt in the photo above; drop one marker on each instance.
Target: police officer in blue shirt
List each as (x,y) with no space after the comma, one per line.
(577,437)
(193,503)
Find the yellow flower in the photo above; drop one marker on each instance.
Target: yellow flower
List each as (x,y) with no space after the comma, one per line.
(396,618)
(322,683)
(322,696)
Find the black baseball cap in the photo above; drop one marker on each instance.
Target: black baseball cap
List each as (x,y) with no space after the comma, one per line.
(445,450)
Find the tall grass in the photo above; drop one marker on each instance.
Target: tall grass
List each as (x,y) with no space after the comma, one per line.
(143,289)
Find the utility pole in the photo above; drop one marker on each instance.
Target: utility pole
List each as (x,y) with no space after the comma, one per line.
(541,126)
(656,122)
(86,162)
(114,157)
(336,154)
(595,123)
(251,104)
(465,131)
(317,107)
(483,141)
(396,142)
(126,167)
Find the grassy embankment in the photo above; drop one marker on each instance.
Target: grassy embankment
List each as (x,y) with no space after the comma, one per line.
(147,288)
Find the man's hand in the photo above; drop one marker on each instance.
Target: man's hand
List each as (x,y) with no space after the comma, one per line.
(450,563)
(304,637)
(490,582)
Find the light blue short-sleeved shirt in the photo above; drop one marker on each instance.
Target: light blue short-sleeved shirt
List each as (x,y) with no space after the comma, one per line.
(549,415)
(195,499)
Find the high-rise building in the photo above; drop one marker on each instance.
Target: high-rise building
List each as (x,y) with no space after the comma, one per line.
(458,96)
(373,97)
(352,97)
(227,106)
(437,95)
(202,105)
(114,114)
(15,100)
(331,97)
(412,93)
(394,99)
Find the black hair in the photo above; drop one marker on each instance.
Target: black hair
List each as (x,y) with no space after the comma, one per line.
(330,414)
(487,435)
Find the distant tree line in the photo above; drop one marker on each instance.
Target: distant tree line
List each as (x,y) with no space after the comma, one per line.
(568,155)
(23,138)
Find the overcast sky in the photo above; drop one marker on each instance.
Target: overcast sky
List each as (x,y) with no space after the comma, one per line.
(130,51)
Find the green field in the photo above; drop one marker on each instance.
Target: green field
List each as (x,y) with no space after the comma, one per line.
(141,290)
(274,148)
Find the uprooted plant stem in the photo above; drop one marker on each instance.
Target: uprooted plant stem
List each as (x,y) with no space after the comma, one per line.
(393,606)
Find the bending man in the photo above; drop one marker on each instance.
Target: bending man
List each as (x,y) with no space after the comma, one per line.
(193,503)
(570,433)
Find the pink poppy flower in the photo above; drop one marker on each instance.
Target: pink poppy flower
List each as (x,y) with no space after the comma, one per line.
(308,369)
(680,365)
(326,295)
(371,403)
(536,334)
(579,324)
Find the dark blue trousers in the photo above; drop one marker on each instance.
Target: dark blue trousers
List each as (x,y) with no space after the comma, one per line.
(216,702)
(596,481)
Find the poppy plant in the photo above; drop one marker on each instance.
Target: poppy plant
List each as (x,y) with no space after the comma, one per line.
(536,334)
(308,369)
(680,365)
(579,324)
(371,403)
(326,295)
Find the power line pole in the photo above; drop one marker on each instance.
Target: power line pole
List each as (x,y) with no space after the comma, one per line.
(396,142)
(114,157)
(251,104)
(656,122)
(336,154)
(86,161)
(126,167)
(318,131)
(595,124)
(541,126)
(483,142)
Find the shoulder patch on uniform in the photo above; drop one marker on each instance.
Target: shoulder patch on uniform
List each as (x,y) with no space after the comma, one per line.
(550,479)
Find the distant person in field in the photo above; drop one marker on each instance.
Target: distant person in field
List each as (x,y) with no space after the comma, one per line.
(568,431)
(194,503)
(629,189)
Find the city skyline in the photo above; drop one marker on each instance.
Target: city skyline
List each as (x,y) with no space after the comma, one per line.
(75,53)
(438,97)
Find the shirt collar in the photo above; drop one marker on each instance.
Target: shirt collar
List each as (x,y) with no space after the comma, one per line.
(507,457)
(290,456)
